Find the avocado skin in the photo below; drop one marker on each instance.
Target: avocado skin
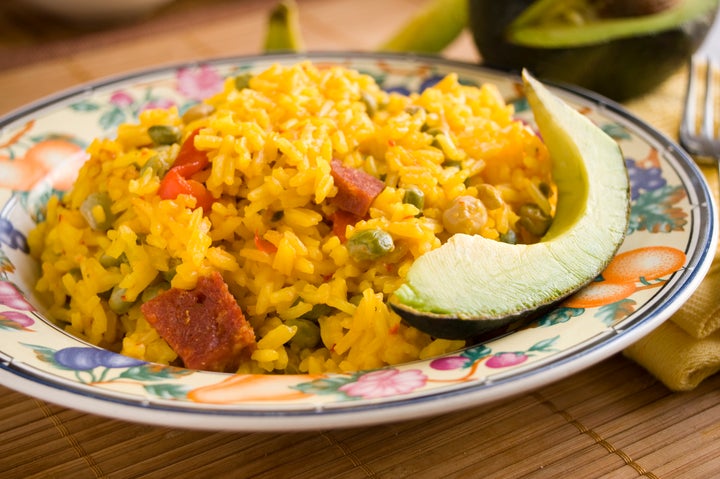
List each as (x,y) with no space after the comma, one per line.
(620,69)
(446,327)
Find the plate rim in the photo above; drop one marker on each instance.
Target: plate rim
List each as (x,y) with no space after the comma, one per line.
(432,403)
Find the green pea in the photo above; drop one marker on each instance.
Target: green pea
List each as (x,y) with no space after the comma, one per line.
(277,215)
(414,196)
(545,189)
(509,237)
(97,212)
(370,244)
(159,163)
(153,290)
(108,261)
(307,334)
(243,81)
(195,112)
(117,301)
(370,103)
(534,219)
(317,311)
(164,134)
(413,109)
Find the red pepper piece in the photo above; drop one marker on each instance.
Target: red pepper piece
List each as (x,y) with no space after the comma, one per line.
(174,184)
(190,160)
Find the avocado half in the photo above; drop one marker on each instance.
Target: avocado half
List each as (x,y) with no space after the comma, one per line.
(471,285)
(616,52)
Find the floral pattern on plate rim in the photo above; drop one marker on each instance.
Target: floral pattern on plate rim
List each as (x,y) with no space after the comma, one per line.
(658,236)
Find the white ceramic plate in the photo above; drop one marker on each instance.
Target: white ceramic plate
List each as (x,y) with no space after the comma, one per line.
(671,240)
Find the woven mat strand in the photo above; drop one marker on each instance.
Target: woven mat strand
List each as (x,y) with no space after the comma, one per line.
(605,421)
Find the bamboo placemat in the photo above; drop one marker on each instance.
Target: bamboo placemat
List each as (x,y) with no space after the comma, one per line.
(612,420)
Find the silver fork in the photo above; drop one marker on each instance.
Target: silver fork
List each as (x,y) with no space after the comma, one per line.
(699,133)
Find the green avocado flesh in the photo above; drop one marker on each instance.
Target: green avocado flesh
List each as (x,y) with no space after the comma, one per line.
(547,24)
(472,284)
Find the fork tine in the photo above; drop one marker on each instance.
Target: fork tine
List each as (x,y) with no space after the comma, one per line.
(690,115)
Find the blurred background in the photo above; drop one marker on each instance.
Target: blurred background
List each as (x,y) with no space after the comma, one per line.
(72,49)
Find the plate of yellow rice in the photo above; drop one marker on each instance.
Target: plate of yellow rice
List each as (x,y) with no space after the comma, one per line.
(285,197)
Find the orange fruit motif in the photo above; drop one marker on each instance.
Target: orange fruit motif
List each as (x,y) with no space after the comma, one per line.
(648,263)
(54,159)
(249,388)
(620,278)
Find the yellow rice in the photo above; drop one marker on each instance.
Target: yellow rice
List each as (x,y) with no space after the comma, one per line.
(270,147)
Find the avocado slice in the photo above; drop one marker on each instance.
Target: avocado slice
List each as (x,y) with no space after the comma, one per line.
(574,23)
(620,68)
(471,284)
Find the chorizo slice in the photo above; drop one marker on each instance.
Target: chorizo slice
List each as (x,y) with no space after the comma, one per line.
(205,326)
(356,189)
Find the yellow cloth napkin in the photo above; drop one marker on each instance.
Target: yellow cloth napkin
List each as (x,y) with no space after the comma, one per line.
(685,350)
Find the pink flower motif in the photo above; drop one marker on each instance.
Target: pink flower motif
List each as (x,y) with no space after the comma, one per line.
(449,363)
(504,360)
(158,103)
(10,296)
(384,383)
(121,99)
(23,320)
(199,83)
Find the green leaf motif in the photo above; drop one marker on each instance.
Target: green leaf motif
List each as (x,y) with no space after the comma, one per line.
(85,105)
(9,325)
(475,354)
(153,372)
(545,345)
(167,391)
(615,131)
(558,316)
(42,353)
(520,105)
(611,313)
(654,211)
(327,385)
(112,118)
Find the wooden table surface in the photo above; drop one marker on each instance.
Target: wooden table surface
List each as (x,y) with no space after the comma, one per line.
(612,420)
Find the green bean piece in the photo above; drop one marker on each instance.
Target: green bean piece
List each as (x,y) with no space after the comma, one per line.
(307,334)
(368,245)
(97,212)
(414,196)
(117,301)
(164,134)
(452,164)
(371,105)
(170,273)
(159,163)
(195,112)
(534,219)
(243,81)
